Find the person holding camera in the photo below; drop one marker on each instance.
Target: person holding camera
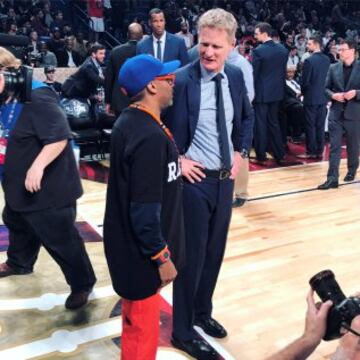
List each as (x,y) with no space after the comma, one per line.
(315,327)
(40,181)
(328,320)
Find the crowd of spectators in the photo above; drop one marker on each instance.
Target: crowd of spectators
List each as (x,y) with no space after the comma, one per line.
(57,39)
(293,22)
(54,41)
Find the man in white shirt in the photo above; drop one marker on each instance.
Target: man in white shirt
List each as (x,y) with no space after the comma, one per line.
(293,57)
(186,35)
(242,179)
(162,45)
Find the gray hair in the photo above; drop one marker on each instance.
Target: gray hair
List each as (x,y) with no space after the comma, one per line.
(220,19)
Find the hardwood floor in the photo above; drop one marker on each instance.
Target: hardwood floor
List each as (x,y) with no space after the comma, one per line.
(277,241)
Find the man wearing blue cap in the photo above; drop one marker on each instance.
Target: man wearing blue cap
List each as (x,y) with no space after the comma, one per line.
(143,227)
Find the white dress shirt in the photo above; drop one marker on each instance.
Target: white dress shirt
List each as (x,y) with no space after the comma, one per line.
(162,45)
(71,60)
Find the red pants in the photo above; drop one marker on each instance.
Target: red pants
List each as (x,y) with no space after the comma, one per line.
(141,327)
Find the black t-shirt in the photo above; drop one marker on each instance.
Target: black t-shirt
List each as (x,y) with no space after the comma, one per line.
(41,122)
(144,204)
(347,72)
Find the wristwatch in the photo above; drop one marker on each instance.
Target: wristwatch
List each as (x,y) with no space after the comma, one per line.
(244,154)
(162,257)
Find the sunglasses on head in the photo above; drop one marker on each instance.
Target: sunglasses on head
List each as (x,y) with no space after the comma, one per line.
(170,78)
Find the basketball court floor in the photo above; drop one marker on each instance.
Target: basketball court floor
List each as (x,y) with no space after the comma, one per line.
(287,232)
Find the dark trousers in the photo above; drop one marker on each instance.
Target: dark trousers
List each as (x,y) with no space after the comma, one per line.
(54,229)
(315,116)
(352,133)
(295,119)
(207,214)
(267,132)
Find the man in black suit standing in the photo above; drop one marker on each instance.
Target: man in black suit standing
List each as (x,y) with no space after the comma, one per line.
(68,57)
(343,88)
(313,89)
(115,100)
(269,64)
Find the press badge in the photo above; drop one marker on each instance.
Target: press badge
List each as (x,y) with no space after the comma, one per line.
(3,146)
(4,133)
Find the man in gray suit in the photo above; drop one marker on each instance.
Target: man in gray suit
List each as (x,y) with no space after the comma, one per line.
(343,88)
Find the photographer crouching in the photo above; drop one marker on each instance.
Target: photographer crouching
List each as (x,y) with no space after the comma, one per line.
(40,180)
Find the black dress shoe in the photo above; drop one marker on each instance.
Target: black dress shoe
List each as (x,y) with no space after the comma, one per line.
(211,327)
(329,184)
(260,161)
(77,299)
(349,177)
(238,202)
(197,348)
(6,270)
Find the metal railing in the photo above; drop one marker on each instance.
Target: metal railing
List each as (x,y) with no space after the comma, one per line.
(108,39)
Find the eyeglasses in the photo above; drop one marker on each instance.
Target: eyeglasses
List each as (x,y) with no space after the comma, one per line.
(341,50)
(170,79)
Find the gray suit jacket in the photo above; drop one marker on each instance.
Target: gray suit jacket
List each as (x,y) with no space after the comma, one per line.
(335,83)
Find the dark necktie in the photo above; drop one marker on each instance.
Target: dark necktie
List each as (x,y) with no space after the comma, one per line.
(296,85)
(158,52)
(221,124)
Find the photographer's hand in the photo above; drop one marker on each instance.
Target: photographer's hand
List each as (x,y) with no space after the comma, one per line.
(315,327)
(315,322)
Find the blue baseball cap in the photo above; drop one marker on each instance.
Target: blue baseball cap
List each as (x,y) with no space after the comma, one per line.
(139,70)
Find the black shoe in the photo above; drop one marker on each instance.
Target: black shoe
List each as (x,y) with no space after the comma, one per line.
(329,184)
(197,348)
(285,163)
(211,327)
(296,140)
(77,299)
(260,161)
(238,202)
(349,177)
(6,270)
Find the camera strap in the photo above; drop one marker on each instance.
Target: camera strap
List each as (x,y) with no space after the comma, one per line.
(9,114)
(348,328)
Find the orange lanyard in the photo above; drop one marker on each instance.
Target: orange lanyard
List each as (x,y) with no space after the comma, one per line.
(163,127)
(157,119)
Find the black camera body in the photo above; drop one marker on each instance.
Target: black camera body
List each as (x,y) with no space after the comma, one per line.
(18,82)
(343,310)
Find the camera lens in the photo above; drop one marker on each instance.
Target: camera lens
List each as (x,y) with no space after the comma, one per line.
(326,287)
(11,81)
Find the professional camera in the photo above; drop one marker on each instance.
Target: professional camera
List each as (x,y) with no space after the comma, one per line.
(18,84)
(343,310)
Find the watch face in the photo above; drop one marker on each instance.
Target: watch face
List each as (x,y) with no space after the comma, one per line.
(244,154)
